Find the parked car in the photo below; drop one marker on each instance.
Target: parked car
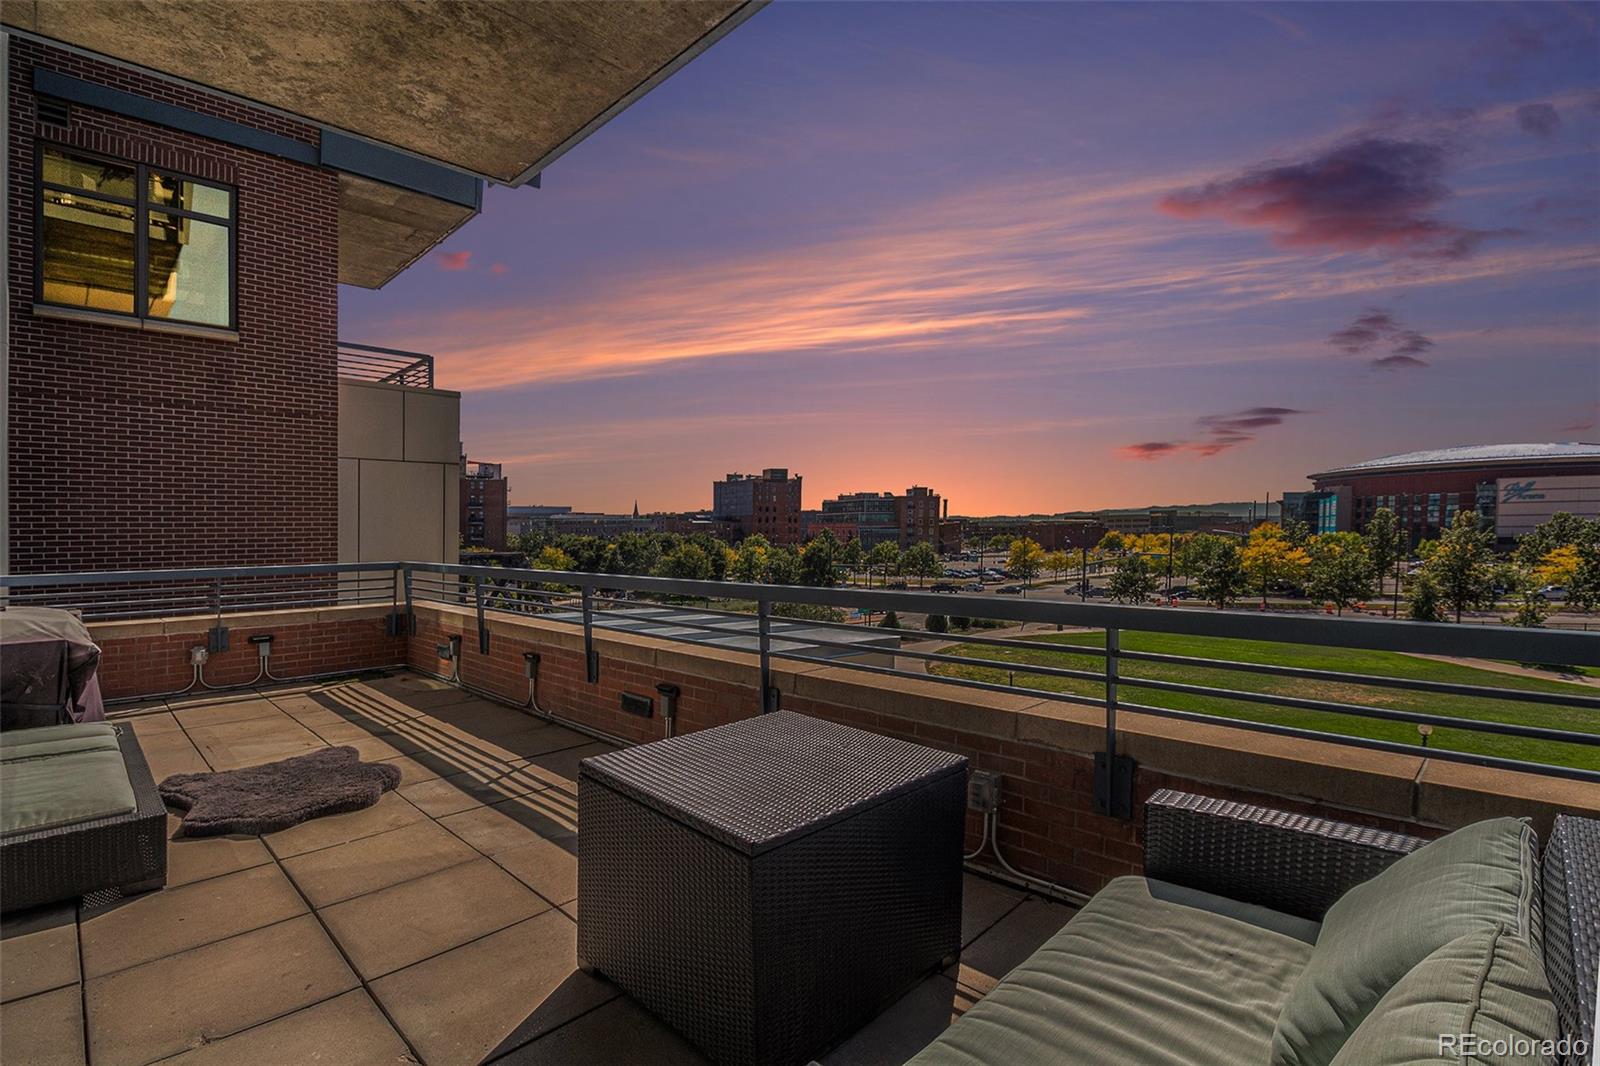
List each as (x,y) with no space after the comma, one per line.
(1553,593)
(1180,594)
(1009,590)
(943,586)
(896,585)
(1096,590)
(974,586)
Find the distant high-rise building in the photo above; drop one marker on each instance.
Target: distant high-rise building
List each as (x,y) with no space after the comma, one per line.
(767,503)
(483,505)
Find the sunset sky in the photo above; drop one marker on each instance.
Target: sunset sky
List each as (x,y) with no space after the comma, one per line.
(1040,257)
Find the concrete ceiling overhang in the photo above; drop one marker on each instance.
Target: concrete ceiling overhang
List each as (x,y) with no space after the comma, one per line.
(497,89)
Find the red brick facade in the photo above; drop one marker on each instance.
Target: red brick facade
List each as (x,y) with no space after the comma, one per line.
(136,449)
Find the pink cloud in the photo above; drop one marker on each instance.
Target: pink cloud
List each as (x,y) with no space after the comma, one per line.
(452,260)
(498,268)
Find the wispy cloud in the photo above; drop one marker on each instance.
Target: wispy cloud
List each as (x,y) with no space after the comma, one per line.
(1377,326)
(452,260)
(1214,434)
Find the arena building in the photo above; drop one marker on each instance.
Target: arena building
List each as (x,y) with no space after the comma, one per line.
(1513,486)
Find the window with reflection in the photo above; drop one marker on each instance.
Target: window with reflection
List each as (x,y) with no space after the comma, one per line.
(134,240)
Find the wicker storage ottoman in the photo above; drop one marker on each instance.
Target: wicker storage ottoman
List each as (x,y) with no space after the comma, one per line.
(766,887)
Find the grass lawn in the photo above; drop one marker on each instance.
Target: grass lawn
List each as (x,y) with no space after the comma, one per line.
(1054,649)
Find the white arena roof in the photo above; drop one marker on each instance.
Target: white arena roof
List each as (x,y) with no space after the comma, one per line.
(1473,455)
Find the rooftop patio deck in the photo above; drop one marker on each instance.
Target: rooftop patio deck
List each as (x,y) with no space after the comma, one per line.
(437,926)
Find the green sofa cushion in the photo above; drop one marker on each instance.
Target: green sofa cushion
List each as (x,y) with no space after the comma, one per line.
(46,793)
(1488,988)
(1473,880)
(1133,979)
(56,740)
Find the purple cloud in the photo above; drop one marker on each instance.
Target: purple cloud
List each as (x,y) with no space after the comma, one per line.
(1150,449)
(1541,120)
(1373,194)
(1217,433)
(1376,326)
(1398,362)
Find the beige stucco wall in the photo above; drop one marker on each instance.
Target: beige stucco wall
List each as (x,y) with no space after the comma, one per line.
(399,473)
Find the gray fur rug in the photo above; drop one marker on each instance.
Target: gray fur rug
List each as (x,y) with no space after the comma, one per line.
(277,795)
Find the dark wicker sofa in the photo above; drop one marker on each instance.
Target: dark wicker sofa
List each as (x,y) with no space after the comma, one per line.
(125,852)
(1280,939)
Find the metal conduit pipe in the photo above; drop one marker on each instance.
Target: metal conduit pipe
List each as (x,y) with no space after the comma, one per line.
(1050,888)
(531,659)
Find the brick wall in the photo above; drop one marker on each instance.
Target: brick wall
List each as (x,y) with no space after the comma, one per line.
(134,449)
(149,657)
(1047,827)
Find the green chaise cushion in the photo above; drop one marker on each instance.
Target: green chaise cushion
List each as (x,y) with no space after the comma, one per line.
(56,740)
(52,781)
(1486,988)
(1476,879)
(1133,979)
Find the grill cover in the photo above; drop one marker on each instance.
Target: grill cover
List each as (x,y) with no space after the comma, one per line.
(48,669)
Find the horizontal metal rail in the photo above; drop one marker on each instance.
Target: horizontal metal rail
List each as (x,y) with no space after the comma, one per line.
(603,602)
(388,366)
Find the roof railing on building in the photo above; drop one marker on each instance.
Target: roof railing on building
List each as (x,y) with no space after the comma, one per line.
(388,366)
(1566,747)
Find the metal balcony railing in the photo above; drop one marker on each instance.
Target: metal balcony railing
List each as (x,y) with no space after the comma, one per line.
(682,610)
(389,366)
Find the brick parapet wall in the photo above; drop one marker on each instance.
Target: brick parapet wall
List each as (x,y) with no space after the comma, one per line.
(146,658)
(132,449)
(1044,749)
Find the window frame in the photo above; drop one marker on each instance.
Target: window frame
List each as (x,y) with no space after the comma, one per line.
(142,209)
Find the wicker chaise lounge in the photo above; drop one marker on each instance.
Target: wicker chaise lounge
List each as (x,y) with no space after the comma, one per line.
(1276,939)
(79,814)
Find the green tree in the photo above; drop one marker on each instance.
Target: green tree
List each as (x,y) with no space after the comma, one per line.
(890,621)
(1113,543)
(960,622)
(1132,581)
(1562,528)
(1026,561)
(1461,565)
(1220,577)
(884,558)
(1529,607)
(850,556)
(1584,590)
(686,561)
(818,561)
(638,553)
(937,623)
(1340,571)
(1383,543)
(783,567)
(1423,602)
(750,559)
(921,562)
